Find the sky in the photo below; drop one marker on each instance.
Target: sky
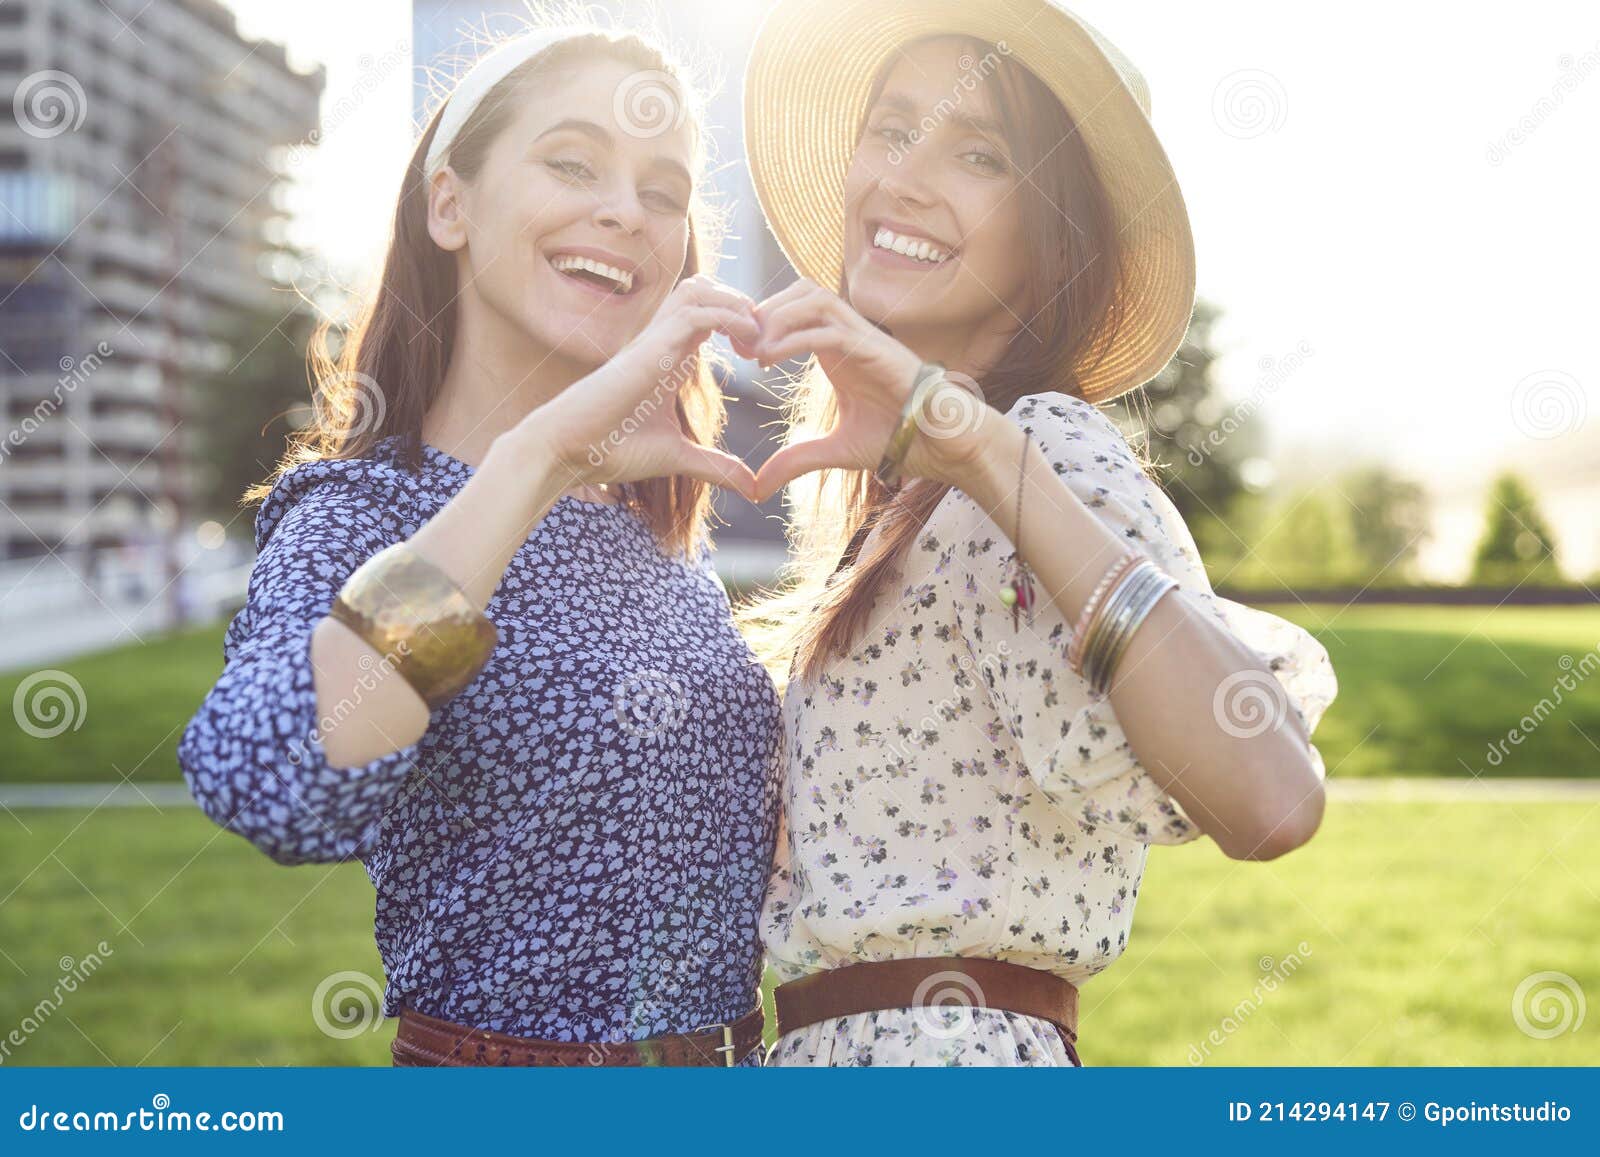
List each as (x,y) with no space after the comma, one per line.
(1402,193)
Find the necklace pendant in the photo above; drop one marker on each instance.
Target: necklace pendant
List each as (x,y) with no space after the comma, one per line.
(1019,593)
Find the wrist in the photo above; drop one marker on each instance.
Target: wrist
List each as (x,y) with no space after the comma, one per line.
(989,475)
(523,462)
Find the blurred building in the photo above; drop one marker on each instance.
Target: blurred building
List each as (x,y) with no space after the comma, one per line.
(447,35)
(139,209)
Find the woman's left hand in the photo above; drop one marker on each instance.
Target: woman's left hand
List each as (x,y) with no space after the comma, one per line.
(871,374)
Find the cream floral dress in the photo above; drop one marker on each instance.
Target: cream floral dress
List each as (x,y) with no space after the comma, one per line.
(952,788)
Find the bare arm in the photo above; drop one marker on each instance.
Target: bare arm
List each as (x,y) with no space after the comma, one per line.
(1255,792)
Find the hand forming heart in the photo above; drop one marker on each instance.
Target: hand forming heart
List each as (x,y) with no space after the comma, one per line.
(619,423)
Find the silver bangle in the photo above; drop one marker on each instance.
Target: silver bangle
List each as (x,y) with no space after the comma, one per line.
(1123,611)
(1142,603)
(1100,631)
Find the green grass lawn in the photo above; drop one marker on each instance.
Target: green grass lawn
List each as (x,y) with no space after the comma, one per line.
(1418,922)
(1422,691)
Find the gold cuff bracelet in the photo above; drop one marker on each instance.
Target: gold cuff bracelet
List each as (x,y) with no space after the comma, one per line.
(419,620)
(927,380)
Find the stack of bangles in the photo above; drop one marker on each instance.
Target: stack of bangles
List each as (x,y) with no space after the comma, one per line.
(419,620)
(1127,593)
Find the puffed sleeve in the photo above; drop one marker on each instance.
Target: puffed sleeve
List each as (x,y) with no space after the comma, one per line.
(1073,745)
(252,754)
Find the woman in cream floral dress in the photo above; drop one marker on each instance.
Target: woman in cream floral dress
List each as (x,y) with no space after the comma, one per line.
(954,787)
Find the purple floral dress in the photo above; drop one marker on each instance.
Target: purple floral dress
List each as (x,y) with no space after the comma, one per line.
(577,847)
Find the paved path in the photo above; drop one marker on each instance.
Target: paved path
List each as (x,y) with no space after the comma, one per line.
(20,796)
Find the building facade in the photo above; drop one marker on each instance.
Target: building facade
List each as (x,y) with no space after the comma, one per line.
(140,208)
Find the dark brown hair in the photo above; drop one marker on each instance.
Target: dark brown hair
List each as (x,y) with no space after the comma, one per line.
(1071,274)
(382,375)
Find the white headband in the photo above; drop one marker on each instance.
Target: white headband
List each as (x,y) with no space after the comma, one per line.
(488,71)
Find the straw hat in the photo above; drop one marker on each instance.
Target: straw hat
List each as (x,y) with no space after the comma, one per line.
(806,88)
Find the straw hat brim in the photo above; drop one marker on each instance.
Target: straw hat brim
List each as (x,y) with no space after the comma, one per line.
(807,82)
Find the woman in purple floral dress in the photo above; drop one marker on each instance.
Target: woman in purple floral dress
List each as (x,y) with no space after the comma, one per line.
(569,855)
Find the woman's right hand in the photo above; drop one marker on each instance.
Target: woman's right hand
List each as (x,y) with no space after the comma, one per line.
(620,423)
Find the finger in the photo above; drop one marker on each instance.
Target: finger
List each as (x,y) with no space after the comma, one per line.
(803,287)
(795,460)
(716,467)
(704,320)
(701,290)
(822,339)
(808,314)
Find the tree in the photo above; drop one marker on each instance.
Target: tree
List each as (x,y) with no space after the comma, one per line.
(1389,518)
(247,409)
(1304,538)
(1517,545)
(1187,429)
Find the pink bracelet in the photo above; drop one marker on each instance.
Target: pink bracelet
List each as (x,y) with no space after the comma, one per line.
(1080,630)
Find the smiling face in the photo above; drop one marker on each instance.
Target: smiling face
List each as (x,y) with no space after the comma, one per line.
(934,243)
(576,225)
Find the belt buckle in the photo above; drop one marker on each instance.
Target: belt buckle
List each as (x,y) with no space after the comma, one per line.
(726,1048)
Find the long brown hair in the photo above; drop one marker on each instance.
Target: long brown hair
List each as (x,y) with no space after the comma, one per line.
(811,621)
(382,375)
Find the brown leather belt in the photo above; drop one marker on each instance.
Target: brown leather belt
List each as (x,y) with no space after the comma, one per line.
(930,982)
(423,1040)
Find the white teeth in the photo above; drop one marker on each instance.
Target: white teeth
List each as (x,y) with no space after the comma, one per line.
(568,263)
(909,247)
